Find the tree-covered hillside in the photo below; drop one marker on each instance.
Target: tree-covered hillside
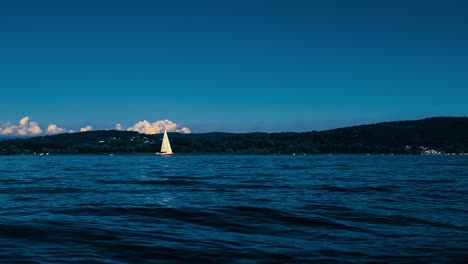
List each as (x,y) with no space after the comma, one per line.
(448,134)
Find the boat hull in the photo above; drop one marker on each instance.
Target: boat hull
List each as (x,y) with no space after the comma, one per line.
(163,154)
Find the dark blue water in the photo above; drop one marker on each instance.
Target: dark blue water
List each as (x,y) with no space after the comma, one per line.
(233,209)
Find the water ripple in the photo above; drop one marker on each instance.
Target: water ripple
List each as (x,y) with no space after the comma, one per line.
(242,209)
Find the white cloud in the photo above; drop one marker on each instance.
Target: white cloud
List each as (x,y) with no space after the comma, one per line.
(86,128)
(186,130)
(118,126)
(54,129)
(24,121)
(24,128)
(146,127)
(34,128)
(7,129)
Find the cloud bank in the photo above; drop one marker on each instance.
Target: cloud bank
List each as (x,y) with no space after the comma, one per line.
(26,127)
(54,129)
(86,128)
(146,127)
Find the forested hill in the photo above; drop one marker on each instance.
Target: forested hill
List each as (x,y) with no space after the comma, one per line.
(445,134)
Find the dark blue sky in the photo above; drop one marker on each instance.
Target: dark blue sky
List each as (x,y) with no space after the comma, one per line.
(232,65)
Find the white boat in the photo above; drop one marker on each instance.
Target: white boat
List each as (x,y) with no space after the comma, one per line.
(165,146)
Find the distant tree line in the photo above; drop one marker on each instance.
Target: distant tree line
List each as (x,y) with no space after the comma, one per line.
(449,134)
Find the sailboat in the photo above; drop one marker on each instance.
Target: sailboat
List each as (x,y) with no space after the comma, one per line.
(166,146)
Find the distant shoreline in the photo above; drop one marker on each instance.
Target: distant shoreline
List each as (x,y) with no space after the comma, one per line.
(234,154)
(432,136)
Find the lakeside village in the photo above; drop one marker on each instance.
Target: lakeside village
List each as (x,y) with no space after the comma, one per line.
(428,151)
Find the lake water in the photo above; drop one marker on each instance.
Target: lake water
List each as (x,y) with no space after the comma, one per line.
(233,209)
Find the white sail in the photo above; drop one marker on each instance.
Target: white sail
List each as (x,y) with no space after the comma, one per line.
(166,146)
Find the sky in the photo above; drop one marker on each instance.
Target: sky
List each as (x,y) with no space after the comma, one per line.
(234,66)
